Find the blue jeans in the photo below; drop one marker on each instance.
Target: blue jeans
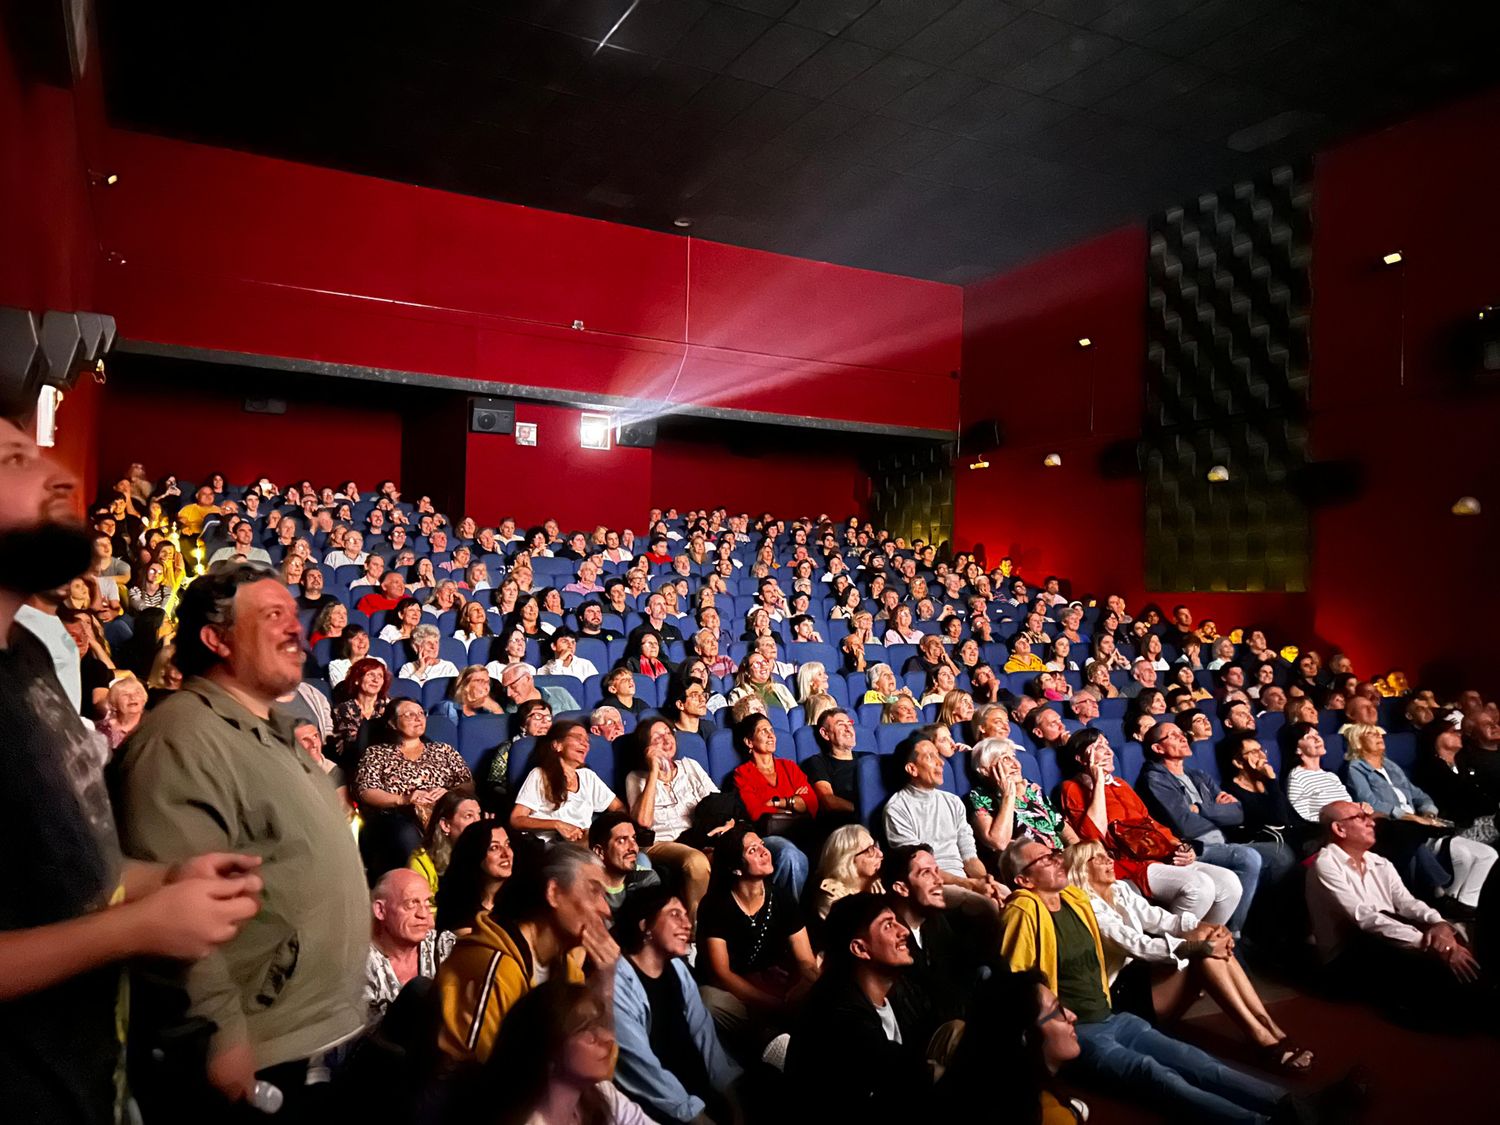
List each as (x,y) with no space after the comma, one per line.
(1181,1082)
(790,872)
(1245,862)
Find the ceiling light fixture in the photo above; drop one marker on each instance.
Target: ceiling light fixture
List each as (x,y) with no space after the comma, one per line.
(981,464)
(1085,342)
(1467,506)
(1392,259)
(683,222)
(1218,474)
(1052,460)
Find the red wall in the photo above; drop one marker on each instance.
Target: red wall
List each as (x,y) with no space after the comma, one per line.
(223,249)
(556,478)
(197,430)
(692,473)
(46,230)
(1417,188)
(1424,188)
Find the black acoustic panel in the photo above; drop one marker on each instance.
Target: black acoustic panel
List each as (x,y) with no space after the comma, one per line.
(912,492)
(1228,300)
(639,435)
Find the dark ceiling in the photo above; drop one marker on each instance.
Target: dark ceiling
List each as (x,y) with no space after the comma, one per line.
(938,138)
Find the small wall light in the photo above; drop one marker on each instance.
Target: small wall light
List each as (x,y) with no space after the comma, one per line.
(593,431)
(578,326)
(1392,259)
(981,464)
(1085,342)
(1467,506)
(103,179)
(1052,460)
(1218,474)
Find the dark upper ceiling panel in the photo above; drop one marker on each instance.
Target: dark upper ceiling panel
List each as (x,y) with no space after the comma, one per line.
(937,138)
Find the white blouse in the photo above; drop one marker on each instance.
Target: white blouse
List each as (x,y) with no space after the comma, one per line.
(1134,928)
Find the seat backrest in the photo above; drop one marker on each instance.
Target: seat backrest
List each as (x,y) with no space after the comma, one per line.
(479,734)
(519,763)
(889,736)
(442,729)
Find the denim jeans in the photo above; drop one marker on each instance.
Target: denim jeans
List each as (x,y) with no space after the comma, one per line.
(790,872)
(1180,1082)
(1245,862)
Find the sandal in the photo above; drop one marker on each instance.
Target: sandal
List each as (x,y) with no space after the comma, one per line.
(1286,1055)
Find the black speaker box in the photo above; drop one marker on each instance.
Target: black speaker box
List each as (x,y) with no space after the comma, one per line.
(492,416)
(638,435)
(981,437)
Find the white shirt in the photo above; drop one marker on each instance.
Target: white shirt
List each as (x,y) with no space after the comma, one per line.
(440,670)
(580,807)
(338,669)
(888,1024)
(578,668)
(1133,928)
(622,1111)
(1340,898)
(338,558)
(676,800)
(60,645)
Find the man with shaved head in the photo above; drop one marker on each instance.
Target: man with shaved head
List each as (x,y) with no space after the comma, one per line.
(404,944)
(1376,938)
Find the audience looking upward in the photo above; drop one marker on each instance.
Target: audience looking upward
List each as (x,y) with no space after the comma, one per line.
(587,772)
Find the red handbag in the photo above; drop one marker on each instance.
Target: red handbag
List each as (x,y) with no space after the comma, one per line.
(1142,840)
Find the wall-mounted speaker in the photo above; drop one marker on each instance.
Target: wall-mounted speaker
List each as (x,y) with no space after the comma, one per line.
(492,416)
(1319,484)
(637,435)
(265,406)
(981,437)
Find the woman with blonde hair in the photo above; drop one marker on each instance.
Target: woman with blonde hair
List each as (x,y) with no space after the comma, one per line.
(903,709)
(1378,782)
(812,679)
(1185,956)
(958,707)
(816,705)
(849,865)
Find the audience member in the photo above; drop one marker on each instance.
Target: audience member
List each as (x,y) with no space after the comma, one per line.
(612,837)
(481,862)
(214,769)
(755,961)
(561,795)
(548,923)
(405,946)
(663,798)
(1050,927)
(671,1061)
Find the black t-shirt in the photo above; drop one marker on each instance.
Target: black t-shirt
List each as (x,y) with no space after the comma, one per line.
(1078,978)
(838,772)
(670,1037)
(58,1047)
(756,942)
(93,674)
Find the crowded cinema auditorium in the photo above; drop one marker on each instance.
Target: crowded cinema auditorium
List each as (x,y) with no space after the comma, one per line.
(749,562)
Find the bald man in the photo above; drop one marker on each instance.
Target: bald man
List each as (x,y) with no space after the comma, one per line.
(404,945)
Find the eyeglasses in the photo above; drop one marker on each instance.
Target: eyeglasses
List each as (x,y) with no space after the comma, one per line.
(1356,816)
(1049,857)
(1057,1012)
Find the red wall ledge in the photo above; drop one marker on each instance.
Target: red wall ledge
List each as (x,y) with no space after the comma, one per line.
(220,250)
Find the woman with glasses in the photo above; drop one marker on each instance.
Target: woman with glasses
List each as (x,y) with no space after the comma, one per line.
(849,865)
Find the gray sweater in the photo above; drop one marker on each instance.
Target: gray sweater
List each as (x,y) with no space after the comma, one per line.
(933,817)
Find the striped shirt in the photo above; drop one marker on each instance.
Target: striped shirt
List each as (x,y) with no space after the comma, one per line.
(1309,790)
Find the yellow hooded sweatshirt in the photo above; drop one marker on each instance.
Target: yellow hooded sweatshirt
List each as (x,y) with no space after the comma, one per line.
(487,972)
(1029,941)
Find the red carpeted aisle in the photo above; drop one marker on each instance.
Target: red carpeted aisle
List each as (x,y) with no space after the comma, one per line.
(1414,1076)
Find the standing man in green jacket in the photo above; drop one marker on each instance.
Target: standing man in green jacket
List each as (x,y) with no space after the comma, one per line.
(216,768)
